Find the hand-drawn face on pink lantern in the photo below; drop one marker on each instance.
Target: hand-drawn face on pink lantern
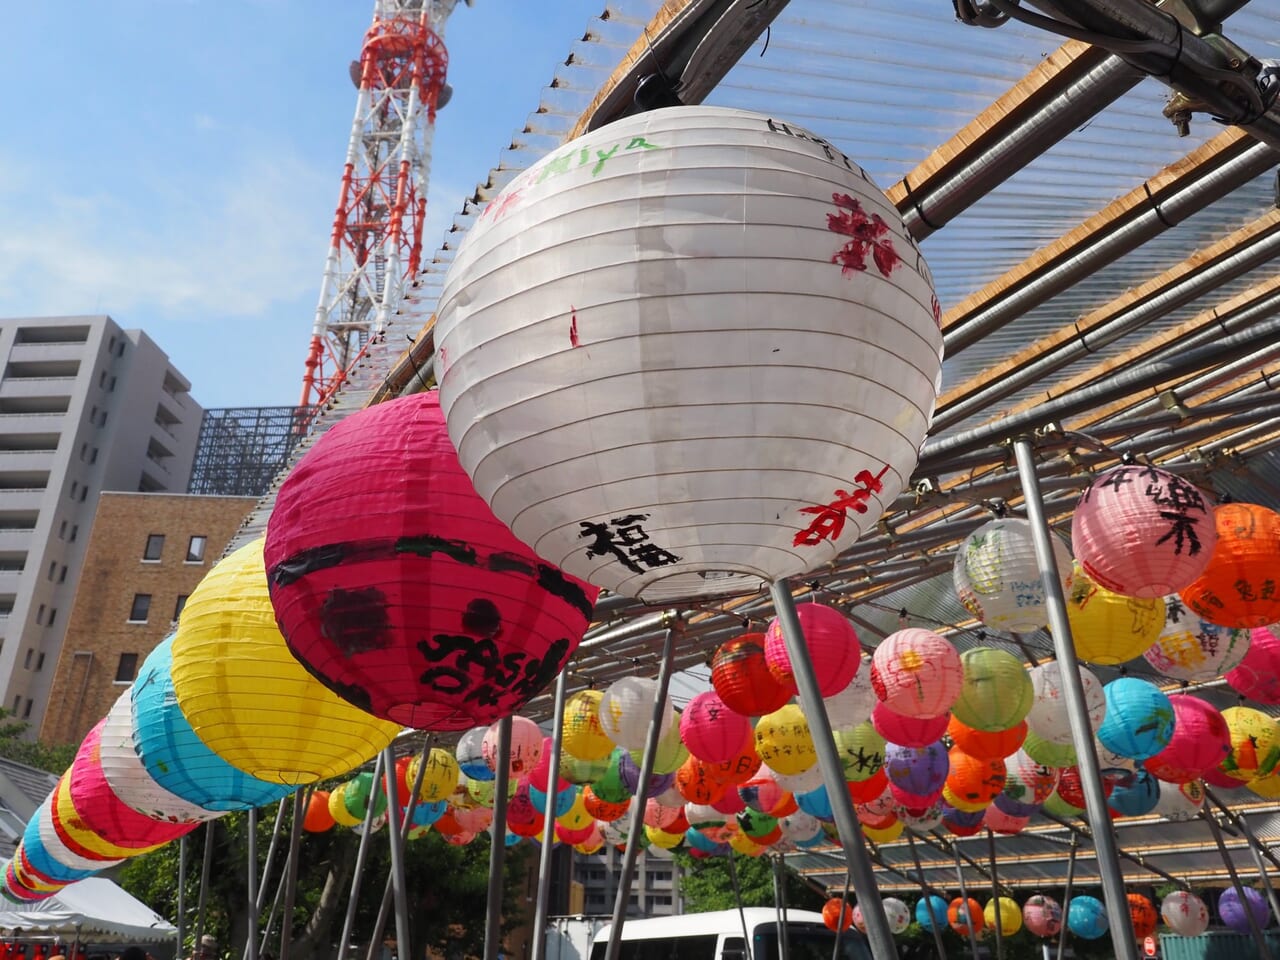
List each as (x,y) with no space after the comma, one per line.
(396,586)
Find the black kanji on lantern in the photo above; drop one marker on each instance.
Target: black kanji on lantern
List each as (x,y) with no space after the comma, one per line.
(1182,531)
(625,539)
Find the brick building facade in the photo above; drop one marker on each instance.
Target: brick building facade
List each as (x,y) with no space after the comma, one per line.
(145,555)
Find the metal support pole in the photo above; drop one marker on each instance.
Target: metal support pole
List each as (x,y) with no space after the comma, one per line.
(384,909)
(614,947)
(742,915)
(182,895)
(543,894)
(934,919)
(291,877)
(1264,950)
(271,855)
(780,873)
(251,858)
(1104,839)
(964,894)
(202,897)
(879,936)
(404,948)
(995,893)
(275,907)
(1255,849)
(777,912)
(844,905)
(498,851)
(357,873)
(1065,931)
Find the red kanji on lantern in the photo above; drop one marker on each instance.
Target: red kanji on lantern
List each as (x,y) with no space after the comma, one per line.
(828,522)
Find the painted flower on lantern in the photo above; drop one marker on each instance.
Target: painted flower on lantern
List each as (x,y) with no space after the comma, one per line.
(870,234)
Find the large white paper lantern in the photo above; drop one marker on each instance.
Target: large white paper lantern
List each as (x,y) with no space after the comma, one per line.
(1049,718)
(689,353)
(997,578)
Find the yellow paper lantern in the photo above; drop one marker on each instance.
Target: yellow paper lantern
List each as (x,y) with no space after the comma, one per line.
(1266,787)
(583,736)
(783,741)
(338,808)
(246,696)
(576,817)
(1109,628)
(662,839)
(744,845)
(480,792)
(1255,744)
(1010,915)
(440,778)
(966,806)
(884,834)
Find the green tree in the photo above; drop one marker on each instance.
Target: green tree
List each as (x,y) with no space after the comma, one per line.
(706,884)
(14,745)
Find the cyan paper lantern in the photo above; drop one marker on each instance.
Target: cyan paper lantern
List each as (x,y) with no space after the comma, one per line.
(1087,917)
(1139,721)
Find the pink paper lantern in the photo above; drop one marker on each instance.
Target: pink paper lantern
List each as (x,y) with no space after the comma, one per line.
(833,648)
(1143,532)
(395,585)
(997,821)
(526,747)
(917,673)
(1200,742)
(540,773)
(711,731)
(1042,916)
(908,731)
(1258,675)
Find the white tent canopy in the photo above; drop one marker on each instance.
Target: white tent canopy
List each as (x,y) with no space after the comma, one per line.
(97,908)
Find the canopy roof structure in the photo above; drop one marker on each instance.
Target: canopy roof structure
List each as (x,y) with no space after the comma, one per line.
(94,910)
(1104,251)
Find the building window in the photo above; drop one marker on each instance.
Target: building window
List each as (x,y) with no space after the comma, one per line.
(141,607)
(53,612)
(17,702)
(75,488)
(126,668)
(40,662)
(154,547)
(26,711)
(102,379)
(195,549)
(120,350)
(177,607)
(26,661)
(62,574)
(112,385)
(84,450)
(53,568)
(93,455)
(62,530)
(102,419)
(75,529)
(84,492)
(40,615)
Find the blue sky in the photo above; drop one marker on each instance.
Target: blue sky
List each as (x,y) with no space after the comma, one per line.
(175,163)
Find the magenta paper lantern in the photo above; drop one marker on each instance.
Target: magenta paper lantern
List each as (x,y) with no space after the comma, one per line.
(1200,741)
(394,584)
(908,731)
(1042,916)
(1143,532)
(917,673)
(526,747)
(712,732)
(832,643)
(1257,676)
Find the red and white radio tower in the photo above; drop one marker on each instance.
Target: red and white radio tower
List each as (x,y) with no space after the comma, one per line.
(376,243)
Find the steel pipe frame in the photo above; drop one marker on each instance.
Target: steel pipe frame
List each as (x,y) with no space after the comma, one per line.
(1264,949)
(543,893)
(384,909)
(498,848)
(395,838)
(357,873)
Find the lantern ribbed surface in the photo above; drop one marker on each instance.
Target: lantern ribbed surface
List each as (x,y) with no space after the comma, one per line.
(1087,917)
(173,752)
(1143,532)
(1239,586)
(997,578)
(996,692)
(1185,913)
(908,731)
(248,698)
(1140,718)
(128,776)
(59,848)
(963,914)
(916,673)
(710,730)
(832,644)
(626,709)
(470,754)
(1108,628)
(1042,915)
(1142,915)
(1189,648)
(743,416)
(783,740)
(1231,908)
(398,589)
(583,737)
(1257,675)
(1201,740)
(1181,803)
(1136,795)
(526,746)
(853,705)
(1048,717)
(741,675)
(1255,744)
(1010,916)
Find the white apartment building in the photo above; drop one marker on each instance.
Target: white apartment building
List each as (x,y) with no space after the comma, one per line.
(84,407)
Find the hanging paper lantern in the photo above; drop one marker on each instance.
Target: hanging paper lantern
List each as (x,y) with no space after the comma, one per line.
(602,809)
(861,750)
(741,767)
(1181,803)
(1003,912)
(1107,627)
(671,750)
(918,772)
(886,834)
(439,775)
(763,793)
(783,740)
(853,705)
(1232,909)
(709,463)
(425,814)
(1048,717)
(921,821)
(996,693)
(997,578)
(1185,913)
(398,589)
(1238,587)
(577,816)
(1143,916)
(832,644)
(698,782)
(963,823)
(1136,795)
(837,914)
(470,754)
(965,914)
(862,791)
(526,747)
(359,792)
(799,782)
(743,679)
(1255,744)
(1071,787)
(1027,785)
(711,731)
(1042,915)
(986,744)
(1201,740)
(1047,752)
(318,819)
(338,808)
(58,844)
(897,913)
(1057,805)
(583,737)
(973,781)
(1087,917)
(916,673)
(799,826)
(539,776)
(1139,722)
(931,912)
(176,757)
(581,771)
(1257,675)
(1143,532)
(246,696)
(1189,648)
(128,777)
(55,861)
(629,771)
(997,821)
(626,709)
(908,731)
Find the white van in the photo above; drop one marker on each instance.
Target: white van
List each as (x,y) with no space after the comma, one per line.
(718,936)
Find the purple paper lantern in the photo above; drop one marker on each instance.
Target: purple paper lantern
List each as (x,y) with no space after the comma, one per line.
(917,771)
(629,771)
(1231,910)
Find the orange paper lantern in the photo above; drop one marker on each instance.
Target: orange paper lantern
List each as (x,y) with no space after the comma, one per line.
(1241,585)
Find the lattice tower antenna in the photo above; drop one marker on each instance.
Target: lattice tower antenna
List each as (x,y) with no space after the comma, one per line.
(376,242)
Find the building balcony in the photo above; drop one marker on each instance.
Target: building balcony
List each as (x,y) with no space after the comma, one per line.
(16,539)
(55,352)
(37,387)
(22,498)
(9,580)
(26,460)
